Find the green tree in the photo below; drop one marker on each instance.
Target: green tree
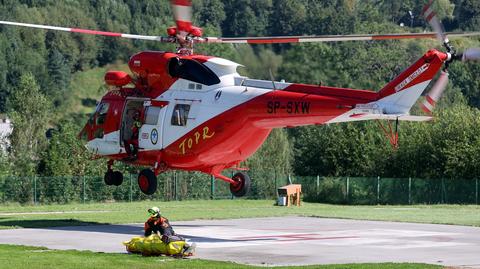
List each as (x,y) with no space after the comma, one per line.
(273,159)
(30,112)
(60,75)
(66,154)
(209,12)
(468,14)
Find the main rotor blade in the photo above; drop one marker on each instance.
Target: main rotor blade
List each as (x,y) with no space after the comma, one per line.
(182,11)
(325,38)
(91,32)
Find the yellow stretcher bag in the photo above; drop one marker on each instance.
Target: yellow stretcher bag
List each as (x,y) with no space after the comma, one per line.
(153,246)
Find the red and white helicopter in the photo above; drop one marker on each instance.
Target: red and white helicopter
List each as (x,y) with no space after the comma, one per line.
(200,114)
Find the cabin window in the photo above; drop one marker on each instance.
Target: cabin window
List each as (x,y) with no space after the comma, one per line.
(192,70)
(194,86)
(151,115)
(102,113)
(180,115)
(98,133)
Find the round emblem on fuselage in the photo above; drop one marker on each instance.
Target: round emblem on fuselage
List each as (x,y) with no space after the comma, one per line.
(154,136)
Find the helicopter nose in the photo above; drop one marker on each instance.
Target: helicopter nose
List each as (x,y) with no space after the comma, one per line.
(86,137)
(91,146)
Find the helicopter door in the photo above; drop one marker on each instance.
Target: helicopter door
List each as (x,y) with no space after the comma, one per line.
(150,135)
(181,116)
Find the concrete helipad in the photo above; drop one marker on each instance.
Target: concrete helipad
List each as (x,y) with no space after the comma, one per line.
(283,241)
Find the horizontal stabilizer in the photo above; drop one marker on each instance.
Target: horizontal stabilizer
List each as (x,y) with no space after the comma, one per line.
(400,117)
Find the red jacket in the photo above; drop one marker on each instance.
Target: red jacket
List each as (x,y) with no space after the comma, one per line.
(162,225)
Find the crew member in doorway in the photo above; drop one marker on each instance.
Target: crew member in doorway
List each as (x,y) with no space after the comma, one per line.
(133,141)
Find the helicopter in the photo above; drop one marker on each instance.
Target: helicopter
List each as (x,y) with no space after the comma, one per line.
(198,113)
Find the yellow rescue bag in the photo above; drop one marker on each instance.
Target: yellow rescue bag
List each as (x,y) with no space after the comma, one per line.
(153,245)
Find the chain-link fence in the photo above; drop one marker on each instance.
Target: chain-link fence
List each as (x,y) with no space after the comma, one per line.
(191,186)
(377,190)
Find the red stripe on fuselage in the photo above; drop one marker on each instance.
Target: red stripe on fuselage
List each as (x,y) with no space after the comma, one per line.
(356,95)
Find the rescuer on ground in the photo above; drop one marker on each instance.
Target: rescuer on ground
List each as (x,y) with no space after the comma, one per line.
(156,224)
(161,226)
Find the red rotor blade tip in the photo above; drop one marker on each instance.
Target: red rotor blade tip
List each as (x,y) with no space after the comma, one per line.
(182,11)
(182,2)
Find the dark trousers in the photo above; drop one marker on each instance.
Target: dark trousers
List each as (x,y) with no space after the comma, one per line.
(128,146)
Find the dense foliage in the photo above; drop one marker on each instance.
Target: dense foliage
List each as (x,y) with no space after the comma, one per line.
(37,68)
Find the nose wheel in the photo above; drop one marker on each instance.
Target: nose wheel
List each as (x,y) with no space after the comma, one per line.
(240,185)
(147,181)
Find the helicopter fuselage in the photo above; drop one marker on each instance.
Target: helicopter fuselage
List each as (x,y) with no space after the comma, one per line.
(199,114)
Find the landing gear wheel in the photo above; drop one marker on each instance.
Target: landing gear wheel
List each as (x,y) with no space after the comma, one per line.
(108,178)
(117,178)
(241,185)
(113,178)
(147,181)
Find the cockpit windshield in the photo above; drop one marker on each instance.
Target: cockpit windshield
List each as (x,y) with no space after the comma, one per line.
(192,70)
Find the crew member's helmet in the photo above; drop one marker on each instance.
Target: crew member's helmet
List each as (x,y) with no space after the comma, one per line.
(136,114)
(154,212)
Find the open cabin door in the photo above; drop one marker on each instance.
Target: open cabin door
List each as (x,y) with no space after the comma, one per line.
(151,133)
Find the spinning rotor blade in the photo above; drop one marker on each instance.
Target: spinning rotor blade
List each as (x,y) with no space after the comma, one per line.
(91,32)
(324,38)
(435,93)
(431,17)
(472,54)
(182,11)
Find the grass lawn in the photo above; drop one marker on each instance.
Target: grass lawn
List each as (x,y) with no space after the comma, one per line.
(33,257)
(16,216)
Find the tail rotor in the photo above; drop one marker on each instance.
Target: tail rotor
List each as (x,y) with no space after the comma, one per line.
(470,54)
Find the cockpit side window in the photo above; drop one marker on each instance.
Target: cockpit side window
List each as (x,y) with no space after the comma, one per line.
(102,110)
(192,70)
(180,115)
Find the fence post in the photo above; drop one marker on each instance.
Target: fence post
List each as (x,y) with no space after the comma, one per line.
(35,190)
(409,190)
(233,196)
(83,183)
(378,189)
(130,194)
(347,191)
(175,178)
(275,181)
(476,191)
(442,198)
(318,184)
(212,187)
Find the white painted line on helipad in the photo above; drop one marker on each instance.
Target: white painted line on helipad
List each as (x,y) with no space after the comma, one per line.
(52,212)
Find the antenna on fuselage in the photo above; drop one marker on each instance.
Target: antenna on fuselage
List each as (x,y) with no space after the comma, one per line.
(272,79)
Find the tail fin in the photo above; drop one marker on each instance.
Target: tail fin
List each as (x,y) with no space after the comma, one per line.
(398,96)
